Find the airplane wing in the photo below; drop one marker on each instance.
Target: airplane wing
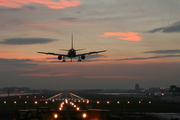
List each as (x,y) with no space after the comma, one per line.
(89,53)
(48,53)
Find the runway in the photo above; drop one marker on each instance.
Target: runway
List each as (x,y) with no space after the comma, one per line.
(67,95)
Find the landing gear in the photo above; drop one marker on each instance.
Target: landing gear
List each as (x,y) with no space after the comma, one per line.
(64,60)
(79,60)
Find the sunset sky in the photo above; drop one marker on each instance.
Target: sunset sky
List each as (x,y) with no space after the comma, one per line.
(142,39)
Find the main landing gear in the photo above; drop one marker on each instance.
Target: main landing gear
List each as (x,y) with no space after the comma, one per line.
(79,60)
(64,60)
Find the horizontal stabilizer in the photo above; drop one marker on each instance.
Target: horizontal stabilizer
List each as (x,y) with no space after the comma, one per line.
(80,49)
(63,49)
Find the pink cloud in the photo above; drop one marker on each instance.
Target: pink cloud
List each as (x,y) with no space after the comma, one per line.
(61,4)
(129,36)
(45,75)
(115,77)
(8,53)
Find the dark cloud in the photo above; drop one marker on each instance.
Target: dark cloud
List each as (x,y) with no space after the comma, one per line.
(31,8)
(164,51)
(76,60)
(68,19)
(94,56)
(146,58)
(16,62)
(173,28)
(89,58)
(26,41)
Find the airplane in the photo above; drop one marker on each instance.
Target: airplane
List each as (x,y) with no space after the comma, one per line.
(72,53)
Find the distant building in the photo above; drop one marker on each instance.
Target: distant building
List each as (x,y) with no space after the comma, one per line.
(16,89)
(154,89)
(174,89)
(136,86)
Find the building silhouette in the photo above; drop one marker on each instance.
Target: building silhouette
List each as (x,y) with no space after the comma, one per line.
(136,86)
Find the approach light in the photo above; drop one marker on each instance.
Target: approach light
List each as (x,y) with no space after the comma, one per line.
(149,102)
(53,100)
(139,102)
(97,102)
(36,102)
(84,115)
(15,102)
(118,102)
(77,108)
(107,102)
(60,108)
(87,101)
(128,102)
(61,105)
(74,106)
(55,116)
(4,102)
(25,102)
(66,101)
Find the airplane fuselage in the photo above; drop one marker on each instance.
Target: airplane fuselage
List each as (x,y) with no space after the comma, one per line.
(71,53)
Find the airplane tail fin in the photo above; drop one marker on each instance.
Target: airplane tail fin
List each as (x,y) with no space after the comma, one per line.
(72,42)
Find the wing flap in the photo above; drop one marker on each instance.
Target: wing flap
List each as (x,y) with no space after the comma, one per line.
(89,53)
(49,53)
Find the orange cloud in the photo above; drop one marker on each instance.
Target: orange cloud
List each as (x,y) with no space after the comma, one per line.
(129,36)
(9,53)
(61,4)
(45,75)
(114,77)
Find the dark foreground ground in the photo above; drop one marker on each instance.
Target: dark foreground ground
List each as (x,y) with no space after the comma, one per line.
(112,107)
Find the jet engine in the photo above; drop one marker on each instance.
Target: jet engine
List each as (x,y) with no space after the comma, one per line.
(83,57)
(59,57)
